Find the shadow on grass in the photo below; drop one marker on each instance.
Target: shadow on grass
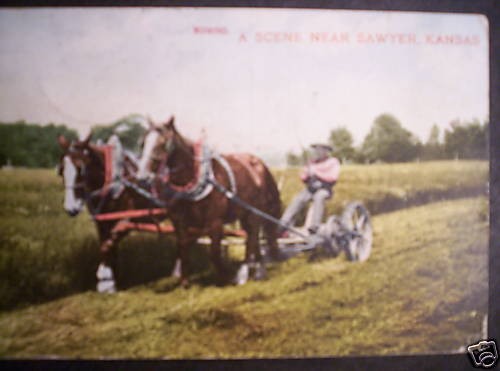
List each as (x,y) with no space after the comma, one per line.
(146,259)
(392,203)
(37,274)
(150,259)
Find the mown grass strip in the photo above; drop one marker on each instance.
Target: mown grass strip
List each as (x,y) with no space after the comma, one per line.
(424,289)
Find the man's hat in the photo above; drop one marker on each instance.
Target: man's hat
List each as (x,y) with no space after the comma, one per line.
(322,146)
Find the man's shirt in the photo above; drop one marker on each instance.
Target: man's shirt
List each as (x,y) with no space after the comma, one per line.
(327,170)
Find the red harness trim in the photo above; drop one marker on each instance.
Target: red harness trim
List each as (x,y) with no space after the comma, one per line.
(145,227)
(130,214)
(108,161)
(107,151)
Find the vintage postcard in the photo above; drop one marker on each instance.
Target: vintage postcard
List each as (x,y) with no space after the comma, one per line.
(199,183)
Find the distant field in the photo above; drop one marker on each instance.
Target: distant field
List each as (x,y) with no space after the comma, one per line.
(386,187)
(423,290)
(45,254)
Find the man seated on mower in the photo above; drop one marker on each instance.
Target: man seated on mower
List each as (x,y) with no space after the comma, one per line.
(319,176)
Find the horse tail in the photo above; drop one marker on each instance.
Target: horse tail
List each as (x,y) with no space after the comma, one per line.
(272,193)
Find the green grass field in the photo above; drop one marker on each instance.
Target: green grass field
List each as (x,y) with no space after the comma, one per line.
(424,287)
(384,187)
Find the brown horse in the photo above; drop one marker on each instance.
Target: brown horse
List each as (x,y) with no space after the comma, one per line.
(83,169)
(185,173)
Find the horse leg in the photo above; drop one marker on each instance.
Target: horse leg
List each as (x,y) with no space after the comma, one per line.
(260,272)
(184,244)
(271,232)
(105,272)
(176,271)
(216,235)
(253,257)
(108,268)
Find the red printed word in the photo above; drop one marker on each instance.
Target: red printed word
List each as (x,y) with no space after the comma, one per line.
(278,37)
(329,37)
(452,39)
(210,30)
(386,38)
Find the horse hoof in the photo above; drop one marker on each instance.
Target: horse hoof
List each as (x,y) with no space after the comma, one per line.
(185,283)
(260,273)
(106,287)
(106,281)
(278,257)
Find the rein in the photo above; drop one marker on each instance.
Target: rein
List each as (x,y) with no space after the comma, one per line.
(102,192)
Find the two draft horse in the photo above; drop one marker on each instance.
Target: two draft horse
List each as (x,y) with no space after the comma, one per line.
(184,173)
(84,171)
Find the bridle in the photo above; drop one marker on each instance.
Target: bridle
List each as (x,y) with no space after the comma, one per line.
(82,185)
(156,162)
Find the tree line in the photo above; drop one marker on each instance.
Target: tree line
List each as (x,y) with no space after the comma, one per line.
(33,145)
(388,141)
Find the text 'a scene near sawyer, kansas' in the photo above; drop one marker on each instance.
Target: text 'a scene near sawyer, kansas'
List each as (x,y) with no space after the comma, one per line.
(327,37)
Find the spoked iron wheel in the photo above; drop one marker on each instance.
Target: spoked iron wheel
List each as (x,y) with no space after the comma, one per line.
(356,221)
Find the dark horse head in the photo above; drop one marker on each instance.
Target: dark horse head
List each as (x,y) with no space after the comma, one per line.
(160,144)
(73,167)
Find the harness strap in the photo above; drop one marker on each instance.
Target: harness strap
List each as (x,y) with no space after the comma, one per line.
(149,196)
(201,186)
(114,184)
(108,165)
(238,201)
(223,162)
(191,186)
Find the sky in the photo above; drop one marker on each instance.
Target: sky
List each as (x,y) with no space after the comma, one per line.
(265,81)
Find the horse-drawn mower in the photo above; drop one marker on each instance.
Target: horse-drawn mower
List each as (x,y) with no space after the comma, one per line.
(350,233)
(113,192)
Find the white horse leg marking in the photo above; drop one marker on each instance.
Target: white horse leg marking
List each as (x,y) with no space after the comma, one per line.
(242,275)
(149,144)
(105,279)
(176,272)
(71,203)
